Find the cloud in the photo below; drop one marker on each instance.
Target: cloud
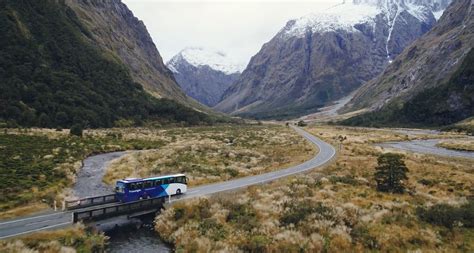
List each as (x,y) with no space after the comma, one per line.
(238,28)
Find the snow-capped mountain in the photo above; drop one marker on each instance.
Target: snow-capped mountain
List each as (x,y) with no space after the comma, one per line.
(430,83)
(324,56)
(204,74)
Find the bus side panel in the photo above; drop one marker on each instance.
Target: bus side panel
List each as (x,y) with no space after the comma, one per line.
(133,195)
(156,191)
(171,189)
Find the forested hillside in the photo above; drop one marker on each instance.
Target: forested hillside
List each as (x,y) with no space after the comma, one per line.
(52,76)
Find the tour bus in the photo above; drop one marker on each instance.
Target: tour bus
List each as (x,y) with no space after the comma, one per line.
(133,189)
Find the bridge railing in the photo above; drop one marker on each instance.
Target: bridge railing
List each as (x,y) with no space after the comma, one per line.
(90,201)
(119,209)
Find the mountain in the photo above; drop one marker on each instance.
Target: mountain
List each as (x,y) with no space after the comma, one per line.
(324,56)
(115,29)
(431,83)
(53,74)
(204,74)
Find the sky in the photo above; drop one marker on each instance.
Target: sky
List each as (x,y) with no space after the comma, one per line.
(238,28)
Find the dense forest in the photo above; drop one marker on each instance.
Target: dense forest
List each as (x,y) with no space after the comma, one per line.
(52,75)
(446,104)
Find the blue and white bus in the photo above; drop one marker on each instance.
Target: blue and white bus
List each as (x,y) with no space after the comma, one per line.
(133,189)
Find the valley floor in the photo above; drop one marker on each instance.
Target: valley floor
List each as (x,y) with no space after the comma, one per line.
(337,210)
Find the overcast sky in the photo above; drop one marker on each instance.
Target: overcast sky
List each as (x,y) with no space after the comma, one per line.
(237,27)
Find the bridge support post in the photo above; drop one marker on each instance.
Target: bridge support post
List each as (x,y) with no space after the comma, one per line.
(55,205)
(64,205)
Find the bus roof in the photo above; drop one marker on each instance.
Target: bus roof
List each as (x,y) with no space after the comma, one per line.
(132,180)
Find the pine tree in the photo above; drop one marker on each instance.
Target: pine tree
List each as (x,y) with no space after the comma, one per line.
(391,173)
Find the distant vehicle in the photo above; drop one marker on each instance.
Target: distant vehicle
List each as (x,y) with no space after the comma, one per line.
(133,189)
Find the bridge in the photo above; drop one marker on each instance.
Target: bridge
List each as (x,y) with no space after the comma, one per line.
(106,206)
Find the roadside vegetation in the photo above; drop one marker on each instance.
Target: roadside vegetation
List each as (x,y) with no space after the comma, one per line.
(211,154)
(74,239)
(37,165)
(338,209)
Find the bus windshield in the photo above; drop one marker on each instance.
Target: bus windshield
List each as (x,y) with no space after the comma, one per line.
(120,187)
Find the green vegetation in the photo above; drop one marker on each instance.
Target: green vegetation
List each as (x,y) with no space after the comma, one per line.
(391,173)
(76,130)
(35,168)
(301,123)
(52,75)
(444,105)
(449,216)
(466,126)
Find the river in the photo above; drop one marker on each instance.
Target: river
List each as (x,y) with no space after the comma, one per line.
(134,236)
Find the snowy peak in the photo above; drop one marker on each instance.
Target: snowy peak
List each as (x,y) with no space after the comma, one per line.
(347,14)
(200,57)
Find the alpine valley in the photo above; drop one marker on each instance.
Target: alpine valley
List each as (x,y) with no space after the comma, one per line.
(322,57)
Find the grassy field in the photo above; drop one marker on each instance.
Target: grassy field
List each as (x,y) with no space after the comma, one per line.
(74,239)
(211,154)
(37,165)
(337,210)
(459,144)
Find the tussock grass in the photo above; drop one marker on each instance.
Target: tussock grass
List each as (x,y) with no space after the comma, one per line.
(459,144)
(37,165)
(338,210)
(73,239)
(211,154)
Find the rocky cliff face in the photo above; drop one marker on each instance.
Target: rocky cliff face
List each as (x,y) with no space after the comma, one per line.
(114,28)
(203,74)
(321,57)
(434,73)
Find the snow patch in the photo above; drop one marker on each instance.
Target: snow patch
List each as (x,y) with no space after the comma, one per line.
(199,57)
(340,17)
(346,15)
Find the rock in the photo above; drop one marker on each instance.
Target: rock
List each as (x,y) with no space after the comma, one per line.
(322,57)
(204,75)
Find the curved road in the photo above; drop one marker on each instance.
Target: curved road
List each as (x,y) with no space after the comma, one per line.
(61,219)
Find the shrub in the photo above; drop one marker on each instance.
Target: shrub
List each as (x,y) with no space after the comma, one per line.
(390,173)
(448,216)
(76,130)
(298,211)
(242,215)
(301,123)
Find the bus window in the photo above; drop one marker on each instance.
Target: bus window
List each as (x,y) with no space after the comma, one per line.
(139,185)
(172,180)
(148,184)
(133,186)
(166,181)
(158,182)
(120,188)
(178,180)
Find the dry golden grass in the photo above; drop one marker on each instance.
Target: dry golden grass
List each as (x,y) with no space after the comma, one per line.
(462,145)
(23,210)
(67,240)
(337,210)
(211,154)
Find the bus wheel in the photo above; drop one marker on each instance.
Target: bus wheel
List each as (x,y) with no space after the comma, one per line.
(178,192)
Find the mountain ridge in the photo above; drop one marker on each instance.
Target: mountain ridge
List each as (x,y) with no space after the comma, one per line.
(434,66)
(295,73)
(204,75)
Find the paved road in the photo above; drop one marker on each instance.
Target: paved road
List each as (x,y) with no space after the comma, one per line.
(61,219)
(427,147)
